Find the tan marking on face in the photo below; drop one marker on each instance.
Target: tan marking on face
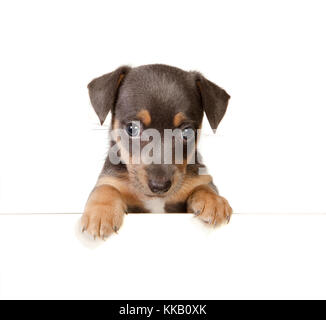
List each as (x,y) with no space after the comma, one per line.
(139,169)
(178,119)
(139,180)
(137,177)
(144,116)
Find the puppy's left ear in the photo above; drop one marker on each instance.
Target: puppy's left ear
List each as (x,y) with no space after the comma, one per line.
(214,100)
(103,91)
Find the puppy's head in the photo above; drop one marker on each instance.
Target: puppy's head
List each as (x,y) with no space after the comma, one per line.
(157,111)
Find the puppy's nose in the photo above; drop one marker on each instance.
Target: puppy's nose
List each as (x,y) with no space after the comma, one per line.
(159,185)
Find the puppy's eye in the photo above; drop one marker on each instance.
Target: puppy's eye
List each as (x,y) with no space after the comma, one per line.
(188,133)
(133,129)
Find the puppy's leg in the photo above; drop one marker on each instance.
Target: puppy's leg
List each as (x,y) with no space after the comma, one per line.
(211,208)
(104,211)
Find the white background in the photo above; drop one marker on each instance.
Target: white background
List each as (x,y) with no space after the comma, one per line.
(268,155)
(269,152)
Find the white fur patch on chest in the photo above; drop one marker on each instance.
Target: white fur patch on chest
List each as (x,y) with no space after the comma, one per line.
(155,205)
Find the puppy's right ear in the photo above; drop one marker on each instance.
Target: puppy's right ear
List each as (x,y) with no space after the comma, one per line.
(103,91)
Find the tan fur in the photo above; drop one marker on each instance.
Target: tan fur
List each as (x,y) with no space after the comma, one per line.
(123,184)
(138,177)
(120,79)
(116,124)
(208,206)
(179,118)
(104,212)
(188,185)
(108,203)
(145,117)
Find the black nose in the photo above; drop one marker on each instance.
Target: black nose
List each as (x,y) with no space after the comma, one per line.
(159,185)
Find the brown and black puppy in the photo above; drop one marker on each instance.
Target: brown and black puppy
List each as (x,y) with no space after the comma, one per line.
(163,98)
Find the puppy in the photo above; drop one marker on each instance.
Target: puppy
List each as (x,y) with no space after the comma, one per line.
(162,99)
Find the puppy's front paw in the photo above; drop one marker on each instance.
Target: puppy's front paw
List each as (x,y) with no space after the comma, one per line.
(209,207)
(103,214)
(102,220)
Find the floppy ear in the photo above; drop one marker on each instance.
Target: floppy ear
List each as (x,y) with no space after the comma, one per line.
(214,100)
(103,91)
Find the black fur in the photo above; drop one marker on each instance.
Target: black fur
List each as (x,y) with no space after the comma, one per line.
(103,91)
(161,89)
